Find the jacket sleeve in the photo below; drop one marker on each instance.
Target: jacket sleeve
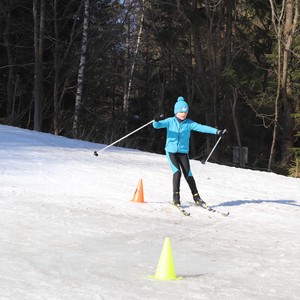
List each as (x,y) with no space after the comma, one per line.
(203,128)
(161,124)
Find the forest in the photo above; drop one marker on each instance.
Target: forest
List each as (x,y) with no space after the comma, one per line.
(98,70)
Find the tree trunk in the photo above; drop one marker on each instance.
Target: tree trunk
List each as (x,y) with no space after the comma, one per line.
(236,126)
(7,44)
(284,33)
(38,67)
(61,76)
(128,83)
(228,33)
(291,21)
(56,73)
(276,21)
(78,100)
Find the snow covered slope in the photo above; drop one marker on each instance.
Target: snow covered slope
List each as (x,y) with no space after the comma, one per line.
(68,229)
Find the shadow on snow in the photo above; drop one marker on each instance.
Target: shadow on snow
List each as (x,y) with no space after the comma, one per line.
(242,202)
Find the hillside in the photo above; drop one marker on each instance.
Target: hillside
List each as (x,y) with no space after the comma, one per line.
(70,231)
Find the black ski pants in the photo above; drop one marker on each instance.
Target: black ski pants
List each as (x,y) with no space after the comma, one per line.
(180,163)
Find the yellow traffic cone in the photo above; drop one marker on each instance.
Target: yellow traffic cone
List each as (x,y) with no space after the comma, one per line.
(165,268)
(139,193)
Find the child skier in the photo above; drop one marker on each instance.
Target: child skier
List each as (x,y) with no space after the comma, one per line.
(177,146)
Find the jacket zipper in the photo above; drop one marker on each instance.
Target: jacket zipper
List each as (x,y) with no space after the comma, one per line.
(179,127)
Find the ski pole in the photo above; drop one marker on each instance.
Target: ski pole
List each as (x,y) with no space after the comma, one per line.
(212,150)
(124,137)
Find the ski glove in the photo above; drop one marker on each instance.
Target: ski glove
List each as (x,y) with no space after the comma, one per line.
(158,117)
(222,132)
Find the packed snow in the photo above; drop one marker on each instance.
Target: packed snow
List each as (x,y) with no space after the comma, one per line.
(70,231)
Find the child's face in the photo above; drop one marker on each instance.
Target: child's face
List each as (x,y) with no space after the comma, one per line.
(181,115)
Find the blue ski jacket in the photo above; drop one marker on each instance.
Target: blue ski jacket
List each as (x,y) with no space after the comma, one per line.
(178,133)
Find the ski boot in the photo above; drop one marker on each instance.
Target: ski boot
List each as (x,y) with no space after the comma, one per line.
(176,199)
(199,201)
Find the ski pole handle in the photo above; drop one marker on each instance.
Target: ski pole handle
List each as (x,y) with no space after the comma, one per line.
(124,137)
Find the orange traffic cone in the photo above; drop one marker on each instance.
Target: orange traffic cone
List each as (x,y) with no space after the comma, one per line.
(139,193)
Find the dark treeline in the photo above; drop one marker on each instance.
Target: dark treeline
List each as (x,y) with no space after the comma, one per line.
(96,70)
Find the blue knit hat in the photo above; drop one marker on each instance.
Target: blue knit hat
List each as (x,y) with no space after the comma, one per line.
(181,106)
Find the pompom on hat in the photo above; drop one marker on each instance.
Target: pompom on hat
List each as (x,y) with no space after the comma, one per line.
(181,106)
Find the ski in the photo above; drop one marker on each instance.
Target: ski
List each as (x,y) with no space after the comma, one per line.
(214,210)
(225,214)
(184,212)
